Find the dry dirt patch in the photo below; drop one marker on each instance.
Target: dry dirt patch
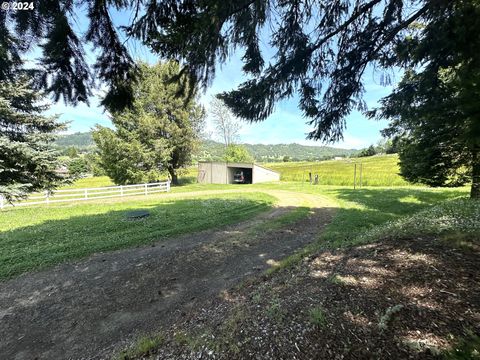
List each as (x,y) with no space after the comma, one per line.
(396,299)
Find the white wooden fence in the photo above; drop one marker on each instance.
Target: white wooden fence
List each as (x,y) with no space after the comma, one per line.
(70,195)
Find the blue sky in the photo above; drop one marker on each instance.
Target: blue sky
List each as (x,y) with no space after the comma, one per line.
(285,125)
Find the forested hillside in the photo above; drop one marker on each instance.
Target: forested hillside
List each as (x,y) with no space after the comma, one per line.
(212,150)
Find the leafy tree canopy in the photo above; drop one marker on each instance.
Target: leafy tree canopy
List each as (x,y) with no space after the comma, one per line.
(237,153)
(157,134)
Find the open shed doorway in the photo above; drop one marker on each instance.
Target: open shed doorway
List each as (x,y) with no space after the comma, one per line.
(240,175)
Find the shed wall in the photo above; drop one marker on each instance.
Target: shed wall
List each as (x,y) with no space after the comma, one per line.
(218,173)
(261,174)
(204,173)
(222,173)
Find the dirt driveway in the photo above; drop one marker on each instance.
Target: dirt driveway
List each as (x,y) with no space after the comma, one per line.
(90,308)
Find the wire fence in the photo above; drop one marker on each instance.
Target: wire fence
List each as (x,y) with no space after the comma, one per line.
(71,195)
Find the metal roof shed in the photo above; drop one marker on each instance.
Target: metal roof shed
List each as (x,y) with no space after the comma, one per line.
(210,172)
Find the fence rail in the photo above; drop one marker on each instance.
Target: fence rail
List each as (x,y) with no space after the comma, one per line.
(70,195)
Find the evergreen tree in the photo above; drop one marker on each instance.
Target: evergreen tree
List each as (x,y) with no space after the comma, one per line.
(435,110)
(27,157)
(438,140)
(157,134)
(322,48)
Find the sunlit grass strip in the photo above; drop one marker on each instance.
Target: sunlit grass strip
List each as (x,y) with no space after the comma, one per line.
(457,216)
(364,216)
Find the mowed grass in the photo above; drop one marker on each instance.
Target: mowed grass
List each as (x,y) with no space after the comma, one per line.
(90,182)
(37,237)
(364,210)
(381,170)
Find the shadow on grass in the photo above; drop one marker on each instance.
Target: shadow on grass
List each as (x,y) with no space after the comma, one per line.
(397,299)
(372,207)
(393,201)
(55,241)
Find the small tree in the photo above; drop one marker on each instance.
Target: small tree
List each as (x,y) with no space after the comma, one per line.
(71,152)
(94,164)
(77,167)
(237,153)
(27,157)
(370,151)
(158,134)
(226,126)
(286,158)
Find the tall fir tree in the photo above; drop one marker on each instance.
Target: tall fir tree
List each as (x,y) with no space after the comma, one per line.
(322,49)
(157,134)
(434,112)
(28,159)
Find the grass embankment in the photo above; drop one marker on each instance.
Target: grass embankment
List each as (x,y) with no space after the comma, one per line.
(363,210)
(37,237)
(379,170)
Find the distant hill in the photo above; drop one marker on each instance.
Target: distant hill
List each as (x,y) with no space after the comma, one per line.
(212,150)
(80,141)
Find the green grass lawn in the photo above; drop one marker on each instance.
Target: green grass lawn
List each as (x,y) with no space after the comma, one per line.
(376,171)
(363,210)
(36,237)
(90,182)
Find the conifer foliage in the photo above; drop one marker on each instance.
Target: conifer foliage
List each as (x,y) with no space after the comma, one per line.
(158,134)
(27,158)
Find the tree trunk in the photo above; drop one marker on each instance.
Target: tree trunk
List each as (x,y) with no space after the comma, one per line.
(475,192)
(173,176)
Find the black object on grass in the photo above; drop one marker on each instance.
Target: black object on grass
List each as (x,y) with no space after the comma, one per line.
(137,215)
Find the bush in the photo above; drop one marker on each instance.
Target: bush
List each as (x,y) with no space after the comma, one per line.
(77,167)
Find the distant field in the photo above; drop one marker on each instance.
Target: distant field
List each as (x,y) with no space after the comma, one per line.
(90,182)
(379,170)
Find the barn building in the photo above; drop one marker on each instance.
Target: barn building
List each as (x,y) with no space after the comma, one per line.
(232,173)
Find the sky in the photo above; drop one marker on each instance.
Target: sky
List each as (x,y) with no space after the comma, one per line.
(285,125)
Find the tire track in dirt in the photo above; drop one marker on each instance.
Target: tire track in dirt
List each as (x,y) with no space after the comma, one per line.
(89,308)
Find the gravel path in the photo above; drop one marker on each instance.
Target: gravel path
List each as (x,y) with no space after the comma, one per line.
(90,308)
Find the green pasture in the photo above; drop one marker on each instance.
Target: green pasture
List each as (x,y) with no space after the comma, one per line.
(381,170)
(39,236)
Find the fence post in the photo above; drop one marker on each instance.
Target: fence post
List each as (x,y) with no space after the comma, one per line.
(354,176)
(146,192)
(1,202)
(361,173)
(121,190)
(85,193)
(47,196)
(168,185)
